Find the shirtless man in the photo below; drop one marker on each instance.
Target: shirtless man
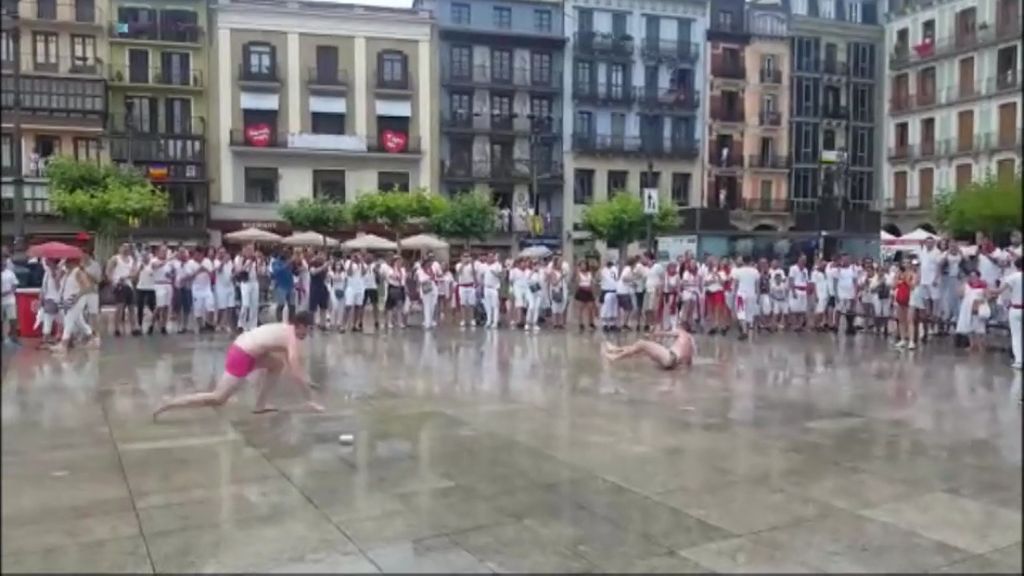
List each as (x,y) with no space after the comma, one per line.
(681,351)
(272,347)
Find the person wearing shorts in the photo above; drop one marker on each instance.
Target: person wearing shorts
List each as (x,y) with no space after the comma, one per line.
(92,297)
(371,293)
(120,270)
(8,303)
(465,277)
(680,353)
(182,304)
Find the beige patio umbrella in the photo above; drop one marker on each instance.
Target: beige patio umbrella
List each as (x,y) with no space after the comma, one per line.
(424,242)
(253,235)
(311,239)
(370,242)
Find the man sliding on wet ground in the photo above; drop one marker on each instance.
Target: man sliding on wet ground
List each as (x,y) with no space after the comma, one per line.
(272,347)
(680,352)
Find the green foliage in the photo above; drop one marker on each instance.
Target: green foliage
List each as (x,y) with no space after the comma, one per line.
(621,220)
(395,209)
(102,199)
(466,217)
(315,215)
(987,205)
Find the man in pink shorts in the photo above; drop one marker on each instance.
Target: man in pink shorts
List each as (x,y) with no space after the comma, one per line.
(271,347)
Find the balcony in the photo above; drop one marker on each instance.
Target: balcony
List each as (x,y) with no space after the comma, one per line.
(324,144)
(604,94)
(732,162)
(457,122)
(61,65)
(835,68)
(769,119)
(502,122)
(621,145)
(730,70)
(511,170)
(80,13)
(668,99)
(121,123)
(56,100)
(835,111)
(183,143)
(904,204)
(392,84)
(670,148)
(900,153)
(727,115)
(258,75)
(184,32)
(164,77)
(604,44)
(1009,27)
(1004,141)
(36,195)
(656,50)
(983,35)
(969,145)
(772,162)
(773,76)
(764,205)
(326,78)
(1003,81)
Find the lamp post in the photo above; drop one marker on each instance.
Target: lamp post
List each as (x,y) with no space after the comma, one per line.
(650,217)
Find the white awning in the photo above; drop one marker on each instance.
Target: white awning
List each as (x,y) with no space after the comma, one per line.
(328,104)
(259,101)
(394,108)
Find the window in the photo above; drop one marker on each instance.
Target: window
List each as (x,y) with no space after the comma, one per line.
(502,17)
(616,81)
(853,11)
(261,185)
(87,150)
(327,65)
(617,180)
(583,186)
(392,69)
(46,9)
(393,181)
(501,65)
(766,191)
(6,151)
(45,54)
(540,68)
(540,108)
(584,77)
(461,104)
(329,185)
(501,108)
(460,13)
(462,62)
(681,188)
(827,10)
(724,20)
(327,123)
(649,179)
(141,114)
(178,115)
(828,139)
(259,60)
(584,124)
(83,52)
(542,20)
(6,47)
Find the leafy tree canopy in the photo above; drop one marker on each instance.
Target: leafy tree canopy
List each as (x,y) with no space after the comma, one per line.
(466,217)
(316,215)
(103,199)
(988,205)
(395,209)
(621,220)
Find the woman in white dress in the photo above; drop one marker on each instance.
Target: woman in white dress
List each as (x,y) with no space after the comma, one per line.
(670,298)
(558,289)
(689,294)
(336,290)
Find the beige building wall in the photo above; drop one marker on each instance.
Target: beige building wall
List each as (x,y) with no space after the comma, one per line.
(757,52)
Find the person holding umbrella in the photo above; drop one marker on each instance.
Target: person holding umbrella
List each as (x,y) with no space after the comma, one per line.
(74,284)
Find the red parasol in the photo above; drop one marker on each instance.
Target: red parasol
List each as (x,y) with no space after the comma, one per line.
(55,250)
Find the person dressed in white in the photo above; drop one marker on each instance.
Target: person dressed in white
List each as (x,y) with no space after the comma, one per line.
(336,291)
(74,284)
(49,308)
(778,290)
(949,285)
(654,282)
(534,279)
(820,281)
(465,277)
(831,309)
(846,291)
(8,304)
(1011,284)
(558,291)
(145,292)
(625,292)
(608,280)
(492,274)
(928,293)
(745,277)
(224,289)
(427,282)
(799,278)
(163,291)
(519,281)
(120,270)
(394,301)
(200,271)
(246,271)
(355,291)
(92,298)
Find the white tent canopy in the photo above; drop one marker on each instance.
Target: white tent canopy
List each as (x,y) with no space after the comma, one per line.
(369,242)
(252,235)
(535,252)
(309,238)
(919,235)
(423,242)
(887,236)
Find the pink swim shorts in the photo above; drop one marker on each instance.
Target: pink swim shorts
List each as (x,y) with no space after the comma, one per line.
(238,362)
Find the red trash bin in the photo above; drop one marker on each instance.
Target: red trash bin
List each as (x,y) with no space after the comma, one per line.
(27,301)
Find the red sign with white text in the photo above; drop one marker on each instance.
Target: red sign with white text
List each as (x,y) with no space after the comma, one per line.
(258,135)
(394,141)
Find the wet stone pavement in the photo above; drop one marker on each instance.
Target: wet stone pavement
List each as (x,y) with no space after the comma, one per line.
(495,452)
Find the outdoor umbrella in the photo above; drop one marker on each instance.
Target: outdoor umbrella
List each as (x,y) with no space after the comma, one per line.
(425,242)
(56,251)
(535,252)
(309,239)
(369,242)
(254,235)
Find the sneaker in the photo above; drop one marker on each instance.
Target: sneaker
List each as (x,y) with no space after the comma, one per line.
(900,345)
(911,346)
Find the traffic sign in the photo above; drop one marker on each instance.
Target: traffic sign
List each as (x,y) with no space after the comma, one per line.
(650,200)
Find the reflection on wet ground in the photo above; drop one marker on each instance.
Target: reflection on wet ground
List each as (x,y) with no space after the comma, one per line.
(501,451)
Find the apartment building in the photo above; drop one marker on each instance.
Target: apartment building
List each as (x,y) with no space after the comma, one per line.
(836,106)
(953,107)
(58,50)
(501,103)
(317,100)
(634,72)
(158,111)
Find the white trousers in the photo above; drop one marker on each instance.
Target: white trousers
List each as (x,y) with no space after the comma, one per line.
(249,313)
(1016,314)
(533,302)
(429,304)
(492,306)
(74,321)
(610,306)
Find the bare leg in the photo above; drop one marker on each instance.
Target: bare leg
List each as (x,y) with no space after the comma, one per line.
(226,387)
(652,350)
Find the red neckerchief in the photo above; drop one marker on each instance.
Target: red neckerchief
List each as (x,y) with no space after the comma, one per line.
(977,284)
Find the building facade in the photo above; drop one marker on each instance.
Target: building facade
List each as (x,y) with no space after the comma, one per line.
(157,121)
(501,104)
(634,71)
(317,100)
(953,107)
(57,50)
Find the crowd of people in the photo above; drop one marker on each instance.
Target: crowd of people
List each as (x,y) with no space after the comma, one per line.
(939,290)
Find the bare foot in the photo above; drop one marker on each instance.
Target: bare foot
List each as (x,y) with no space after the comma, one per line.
(264,410)
(314,406)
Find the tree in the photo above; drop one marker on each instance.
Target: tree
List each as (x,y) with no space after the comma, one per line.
(105,200)
(621,220)
(466,217)
(321,216)
(396,209)
(988,205)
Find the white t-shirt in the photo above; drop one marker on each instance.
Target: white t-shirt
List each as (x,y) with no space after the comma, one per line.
(639,277)
(846,285)
(519,278)
(988,266)
(798,275)
(1014,281)
(821,284)
(746,278)
(202,271)
(180,270)
(370,277)
(492,275)
(778,287)
(8,283)
(94,271)
(466,272)
(953,265)
(655,276)
(713,281)
(123,266)
(355,273)
(146,281)
(832,273)
(223,278)
(609,278)
(625,284)
(161,271)
(585,279)
(930,260)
